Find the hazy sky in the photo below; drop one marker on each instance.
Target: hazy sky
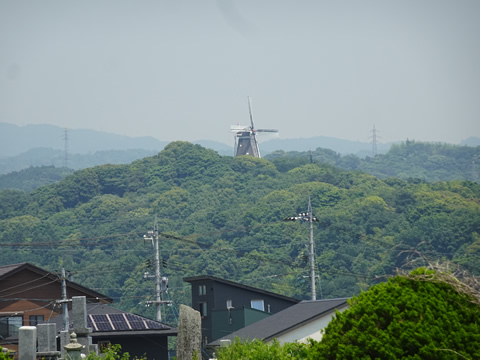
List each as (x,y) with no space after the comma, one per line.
(182,69)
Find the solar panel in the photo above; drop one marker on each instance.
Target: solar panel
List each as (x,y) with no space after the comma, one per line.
(136,322)
(102,322)
(154,325)
(90,323)
(118,322)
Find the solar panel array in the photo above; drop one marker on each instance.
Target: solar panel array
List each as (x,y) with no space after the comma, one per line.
(122,322)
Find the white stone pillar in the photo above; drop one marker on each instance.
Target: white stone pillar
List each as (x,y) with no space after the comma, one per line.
(27,343)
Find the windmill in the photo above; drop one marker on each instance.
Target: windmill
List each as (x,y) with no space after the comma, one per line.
(246,137)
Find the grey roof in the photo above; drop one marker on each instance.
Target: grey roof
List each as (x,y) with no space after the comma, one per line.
(286,320)
(193,279)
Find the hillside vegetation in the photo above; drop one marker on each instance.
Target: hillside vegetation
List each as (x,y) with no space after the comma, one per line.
(425,161)
(222,216)
(33,177)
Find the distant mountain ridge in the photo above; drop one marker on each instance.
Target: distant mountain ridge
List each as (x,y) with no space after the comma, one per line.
(15,140)
(83,141)
(44,145)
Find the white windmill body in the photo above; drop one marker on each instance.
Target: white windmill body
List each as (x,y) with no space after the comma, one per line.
(246,137)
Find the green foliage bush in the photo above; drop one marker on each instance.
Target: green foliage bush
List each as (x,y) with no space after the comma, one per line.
(258,350)
(4,356)
(414,317)
(113,352)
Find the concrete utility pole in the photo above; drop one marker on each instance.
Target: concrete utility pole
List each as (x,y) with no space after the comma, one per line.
(312,251)
(153,236)
(158,297)
(308,216)
(64,301)
(160,282)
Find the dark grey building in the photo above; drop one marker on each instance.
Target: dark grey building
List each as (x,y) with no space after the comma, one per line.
(226,306)
(299,322)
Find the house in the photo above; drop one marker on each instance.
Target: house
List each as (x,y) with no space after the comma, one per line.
(226,306)
(29,296)
(139,336)
(300,322)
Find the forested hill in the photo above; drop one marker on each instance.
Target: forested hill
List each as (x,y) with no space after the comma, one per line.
(425,161)
(222,216)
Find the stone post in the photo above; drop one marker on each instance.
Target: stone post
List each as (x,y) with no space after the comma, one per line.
(46,337)
(79,319)
(189,338)
(64,340)
(47,345)
(27,343)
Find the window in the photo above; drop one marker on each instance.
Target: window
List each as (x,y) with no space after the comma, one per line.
(9,325)
(202,290)
(257,304)
(203,309)
(229,304)
(34,320)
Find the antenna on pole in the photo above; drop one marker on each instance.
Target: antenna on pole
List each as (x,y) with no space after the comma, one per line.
(308,216)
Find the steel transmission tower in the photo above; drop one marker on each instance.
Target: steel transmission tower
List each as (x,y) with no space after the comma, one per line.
(65,143)
(374,141)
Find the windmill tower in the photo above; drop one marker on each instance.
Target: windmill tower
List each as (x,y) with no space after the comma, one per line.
(246,137)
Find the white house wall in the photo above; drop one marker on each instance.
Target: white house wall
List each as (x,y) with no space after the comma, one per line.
(311,330)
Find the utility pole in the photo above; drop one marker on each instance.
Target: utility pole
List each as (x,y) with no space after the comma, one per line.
(64,302)
(308,216)
(312,251)
(160,282)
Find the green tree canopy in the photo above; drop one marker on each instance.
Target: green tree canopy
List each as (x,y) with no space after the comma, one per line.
(424,315)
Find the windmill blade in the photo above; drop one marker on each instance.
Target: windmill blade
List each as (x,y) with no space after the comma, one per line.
(255,144)
(267,130)
(237,128)
(250,111)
